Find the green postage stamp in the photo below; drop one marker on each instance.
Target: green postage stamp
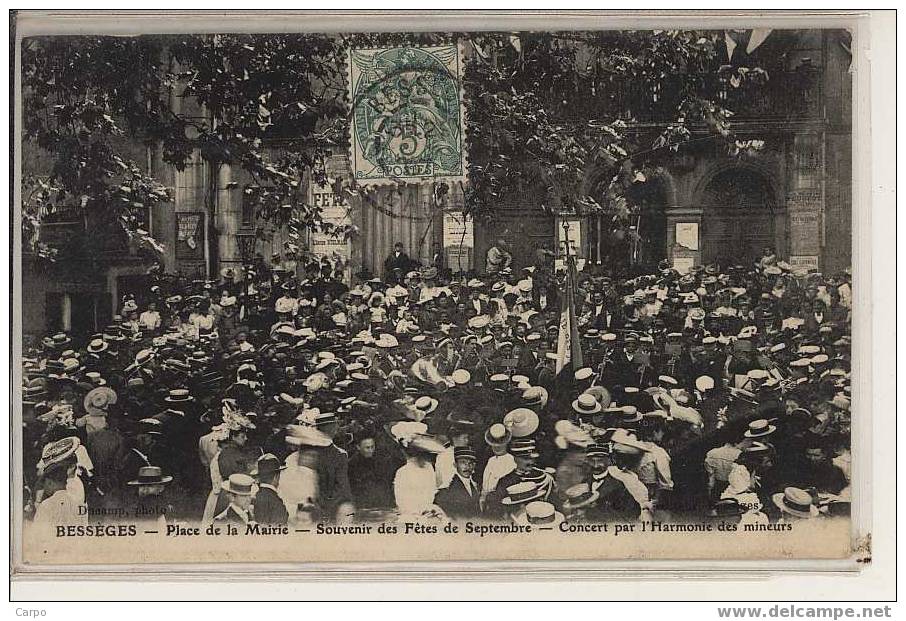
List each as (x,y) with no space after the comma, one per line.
(407,114)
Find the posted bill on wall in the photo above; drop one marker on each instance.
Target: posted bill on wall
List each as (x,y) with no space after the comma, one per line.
(290,411)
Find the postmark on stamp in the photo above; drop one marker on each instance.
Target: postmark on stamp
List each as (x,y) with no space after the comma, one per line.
(407,120)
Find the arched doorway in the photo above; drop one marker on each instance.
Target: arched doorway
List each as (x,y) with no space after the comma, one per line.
(738,217)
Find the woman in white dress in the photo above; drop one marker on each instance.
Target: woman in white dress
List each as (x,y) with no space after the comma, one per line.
(298,485)
(415,483)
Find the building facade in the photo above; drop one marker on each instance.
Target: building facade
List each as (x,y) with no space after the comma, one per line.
(700,205)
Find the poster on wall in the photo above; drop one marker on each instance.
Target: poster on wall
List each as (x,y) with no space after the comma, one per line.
(459,241)
(687,235)
(805,232)
(804,263)
(190,244)
(335,213)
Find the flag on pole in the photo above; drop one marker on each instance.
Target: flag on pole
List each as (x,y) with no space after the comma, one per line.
(569,347)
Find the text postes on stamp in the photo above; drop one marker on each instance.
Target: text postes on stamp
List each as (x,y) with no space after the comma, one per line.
(407,118)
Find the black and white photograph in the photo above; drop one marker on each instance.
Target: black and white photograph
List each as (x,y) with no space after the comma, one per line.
(414,294)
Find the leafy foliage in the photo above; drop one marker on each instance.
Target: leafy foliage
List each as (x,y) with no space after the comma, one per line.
(544,109)
(547,109)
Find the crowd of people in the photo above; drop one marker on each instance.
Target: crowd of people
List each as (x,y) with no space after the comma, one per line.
(278,395)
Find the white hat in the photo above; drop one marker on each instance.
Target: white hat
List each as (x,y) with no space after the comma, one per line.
(284,305)
(460,377)
(386,341)
(521,422)
(569,433)
(479,321)
(426,404)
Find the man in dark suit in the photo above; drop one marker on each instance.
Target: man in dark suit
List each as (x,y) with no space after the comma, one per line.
(623,370)
(476,305)
(371,471)
(267,506)
(237,491)
(815,318)
(397,264)
(600,316)
(335,494)
(459,500)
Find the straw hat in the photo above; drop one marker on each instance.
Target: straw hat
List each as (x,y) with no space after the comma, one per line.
(522,493)
(240,484)
(578,496)
(98,400)
(521,422)
(586,404)
(497,435)
(796,502)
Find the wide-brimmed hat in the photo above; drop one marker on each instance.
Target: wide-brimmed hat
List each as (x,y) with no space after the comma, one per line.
(760,428)
(578,496)
(303,435)
(283,305)
(98,400)
(386,341)
(179,395)
(60,340)
(535,396)
(94,377)
(542,513)
(150,475)
(522,493)
(266,465)
(425,404)
(497,435)
(315,382)
(570,434)
(403,431)
(240,484)
(97,346)
(424,443)
(460,377)
(521,422)
(630,414)
(586,404)
(479,321)
(796,502)
(56,453)
(601,395)
(622,439)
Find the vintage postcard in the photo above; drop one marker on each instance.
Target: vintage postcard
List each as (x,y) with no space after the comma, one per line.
(551,289)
